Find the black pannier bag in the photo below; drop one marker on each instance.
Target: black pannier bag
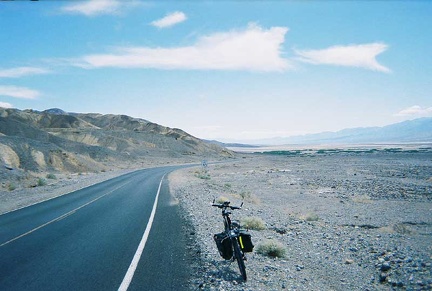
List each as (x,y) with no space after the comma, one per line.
(224,246)
(245,241)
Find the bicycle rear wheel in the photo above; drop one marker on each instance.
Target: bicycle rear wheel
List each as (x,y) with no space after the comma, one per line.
(239,257)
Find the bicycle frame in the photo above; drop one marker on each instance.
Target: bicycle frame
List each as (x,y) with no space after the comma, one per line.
(227,220)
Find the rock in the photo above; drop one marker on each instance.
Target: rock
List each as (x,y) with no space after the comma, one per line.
(383,277)
(385,267)
(8,167)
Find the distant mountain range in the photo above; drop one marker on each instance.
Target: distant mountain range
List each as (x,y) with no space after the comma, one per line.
(417,130)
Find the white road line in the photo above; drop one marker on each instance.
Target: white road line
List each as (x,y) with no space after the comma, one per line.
(62,216)
(134,264)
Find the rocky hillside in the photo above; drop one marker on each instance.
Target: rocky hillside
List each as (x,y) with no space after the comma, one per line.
(56,141)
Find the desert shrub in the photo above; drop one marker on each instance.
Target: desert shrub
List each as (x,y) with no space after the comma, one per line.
(362,199)
(245,194)
(51,176)
(11,186)
(221,199)
(310,216)
(402,228)
(41,182)
(202,175)
(271,248)
(253,222)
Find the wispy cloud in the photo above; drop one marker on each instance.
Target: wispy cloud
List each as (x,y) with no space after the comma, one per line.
(5,105)
(361,56)
(19,92)
(415,111)
(93,7)
(170,20)
(21,72)
(252,49)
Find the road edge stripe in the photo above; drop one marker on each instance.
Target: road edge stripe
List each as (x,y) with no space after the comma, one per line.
(134,264)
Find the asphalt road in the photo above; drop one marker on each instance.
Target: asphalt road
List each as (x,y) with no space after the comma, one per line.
(92,239)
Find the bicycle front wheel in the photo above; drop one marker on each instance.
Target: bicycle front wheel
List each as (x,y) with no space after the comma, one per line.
(239,257)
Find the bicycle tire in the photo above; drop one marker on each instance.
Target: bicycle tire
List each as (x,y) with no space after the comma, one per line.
(239,257)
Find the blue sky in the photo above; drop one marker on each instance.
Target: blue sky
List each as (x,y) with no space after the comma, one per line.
(227,70)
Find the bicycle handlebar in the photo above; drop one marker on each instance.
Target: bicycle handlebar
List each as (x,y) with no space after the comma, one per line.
(226,205)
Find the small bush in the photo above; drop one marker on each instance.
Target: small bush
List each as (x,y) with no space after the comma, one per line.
(253,222)
(362,199)
(245,195)
(202,175)
(41,182)
(310,217)
(11,186)
(221,199)
(51,176)
(271,248)
(402,228)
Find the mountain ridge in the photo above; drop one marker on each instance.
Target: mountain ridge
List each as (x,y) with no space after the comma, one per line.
(416,130)
(57,141)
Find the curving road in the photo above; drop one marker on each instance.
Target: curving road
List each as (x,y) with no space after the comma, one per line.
(121,234)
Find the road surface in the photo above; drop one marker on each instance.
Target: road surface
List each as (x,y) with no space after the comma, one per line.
(121,234)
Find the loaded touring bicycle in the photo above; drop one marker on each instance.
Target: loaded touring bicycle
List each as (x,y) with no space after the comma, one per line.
(233,242)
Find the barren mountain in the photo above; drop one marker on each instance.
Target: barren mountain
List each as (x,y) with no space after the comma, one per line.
(56,141)
(410,131)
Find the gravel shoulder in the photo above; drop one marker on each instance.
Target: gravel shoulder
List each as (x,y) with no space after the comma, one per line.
(61,185)
(346,221)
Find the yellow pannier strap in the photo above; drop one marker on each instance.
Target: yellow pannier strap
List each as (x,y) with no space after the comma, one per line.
(241,242)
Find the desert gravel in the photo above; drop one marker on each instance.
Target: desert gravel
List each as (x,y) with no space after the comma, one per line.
(348,221)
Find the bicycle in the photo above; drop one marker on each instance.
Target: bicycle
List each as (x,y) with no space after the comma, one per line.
(233,242)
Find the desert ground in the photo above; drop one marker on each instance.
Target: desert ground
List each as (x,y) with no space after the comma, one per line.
(345,221)
(340,220)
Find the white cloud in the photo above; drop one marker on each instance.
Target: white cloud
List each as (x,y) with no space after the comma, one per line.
(170,20)
(5,105)
(362,56)
(415,110)
(253,49)
(18,92)
(93,7)
(21,72)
